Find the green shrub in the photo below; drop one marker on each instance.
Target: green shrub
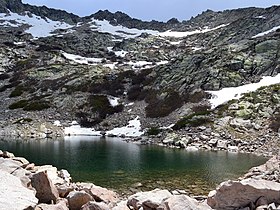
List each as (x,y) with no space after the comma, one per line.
(36,106)
(153,131)
(18,104)
(23,120)
(193,120)
(18,91)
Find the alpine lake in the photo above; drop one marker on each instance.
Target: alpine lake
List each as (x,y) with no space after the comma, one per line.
(128,167)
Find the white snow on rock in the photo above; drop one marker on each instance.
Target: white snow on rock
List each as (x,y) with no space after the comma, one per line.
(105,27)
(266,32)
(226,94)
(260,17)
(133,129)
(82,60)
(57,123)
(114,101)
(39,27)
(77,130)
(179,34)
(120,53)
(144,64)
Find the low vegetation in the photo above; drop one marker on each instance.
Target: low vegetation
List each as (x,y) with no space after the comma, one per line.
(27,105)
(193,120)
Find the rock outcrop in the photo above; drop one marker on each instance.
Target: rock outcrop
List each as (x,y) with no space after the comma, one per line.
(233,195)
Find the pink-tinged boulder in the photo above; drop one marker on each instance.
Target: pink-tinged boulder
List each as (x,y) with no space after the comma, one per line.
(99,193)
(76,199)
(234,194)
(62,205)
(13,195)
(45,189)
(92,205)
(148,200)
(121,206)
(183,202)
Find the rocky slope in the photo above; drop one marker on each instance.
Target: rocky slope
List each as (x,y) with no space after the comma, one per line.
(106,69)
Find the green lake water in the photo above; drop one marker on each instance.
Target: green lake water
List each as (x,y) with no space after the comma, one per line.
(115,164)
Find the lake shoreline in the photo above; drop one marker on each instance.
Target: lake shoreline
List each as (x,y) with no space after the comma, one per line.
(62,192)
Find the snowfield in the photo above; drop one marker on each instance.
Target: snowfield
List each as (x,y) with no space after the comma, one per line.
(38,27)
(82,60)
(105,27)
(133,129)
(226,94)
(179,34)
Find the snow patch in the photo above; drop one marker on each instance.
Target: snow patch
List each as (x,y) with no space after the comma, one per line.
(82,60)
(260,17)
(57,123)
(39,27)
(226,94)
(266,32)
(144,64)
(114,101)
(105,27)
(133,129)
(77,130)
(112,66)
(179,34)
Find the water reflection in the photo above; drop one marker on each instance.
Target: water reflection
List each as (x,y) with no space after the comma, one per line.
(112,163)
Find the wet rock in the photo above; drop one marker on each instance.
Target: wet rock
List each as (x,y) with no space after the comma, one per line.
(13,194)
(228,196)
(45,189)
(77,199)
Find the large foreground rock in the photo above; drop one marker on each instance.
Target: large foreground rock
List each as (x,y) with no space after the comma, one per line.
(233,194)
(45,189)
(13,195)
